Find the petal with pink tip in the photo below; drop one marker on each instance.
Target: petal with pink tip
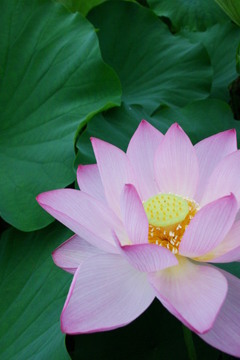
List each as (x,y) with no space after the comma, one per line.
(224,179)
(193,293)
(141,152)
(115,170)
(209,227)
(72,253)
(228,250)
(134,216)
(84,215)
(210,152)
(90,182)
(149,257)
(225,333)
(176,165)
(107,293)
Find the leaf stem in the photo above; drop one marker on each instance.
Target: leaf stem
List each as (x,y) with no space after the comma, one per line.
(189,343)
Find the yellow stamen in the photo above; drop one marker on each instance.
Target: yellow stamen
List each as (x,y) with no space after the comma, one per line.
(169,215)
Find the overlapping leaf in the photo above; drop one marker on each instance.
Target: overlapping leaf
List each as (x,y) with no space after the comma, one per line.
(221,43)
(32,294)
(199,119)
(194,15)
(52,79)
(154,66)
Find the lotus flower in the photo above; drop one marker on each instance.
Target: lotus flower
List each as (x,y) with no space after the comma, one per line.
(148,223)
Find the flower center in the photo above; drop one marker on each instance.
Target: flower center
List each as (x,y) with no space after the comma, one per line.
(168,216)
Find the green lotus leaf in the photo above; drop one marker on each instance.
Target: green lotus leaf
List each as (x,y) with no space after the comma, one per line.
(238,59)
(194,15)
(199,119)
(231,8)
(52,80)
(154,66)
(32,295)
(83,6)
(221,42)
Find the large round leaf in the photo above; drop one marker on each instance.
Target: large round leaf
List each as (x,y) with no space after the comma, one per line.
(199,119)
(194,15)
(32,294)
(221,43)
(52,79)
(154,66)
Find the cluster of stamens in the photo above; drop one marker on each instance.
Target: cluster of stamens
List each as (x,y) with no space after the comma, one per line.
(169,215)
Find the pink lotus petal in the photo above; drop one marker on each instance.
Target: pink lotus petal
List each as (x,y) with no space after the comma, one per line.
(231,256)
(107,293)
(225,333)
(193,293)
(141,151)
(149,257)
(210,152)
(84,215)
(224,179)
(209,227)
(176,165)
(90,182)
(72,253)
(228,250)
(134,216)
(115,170)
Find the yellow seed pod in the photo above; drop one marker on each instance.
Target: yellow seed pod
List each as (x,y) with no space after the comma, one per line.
(166,209)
